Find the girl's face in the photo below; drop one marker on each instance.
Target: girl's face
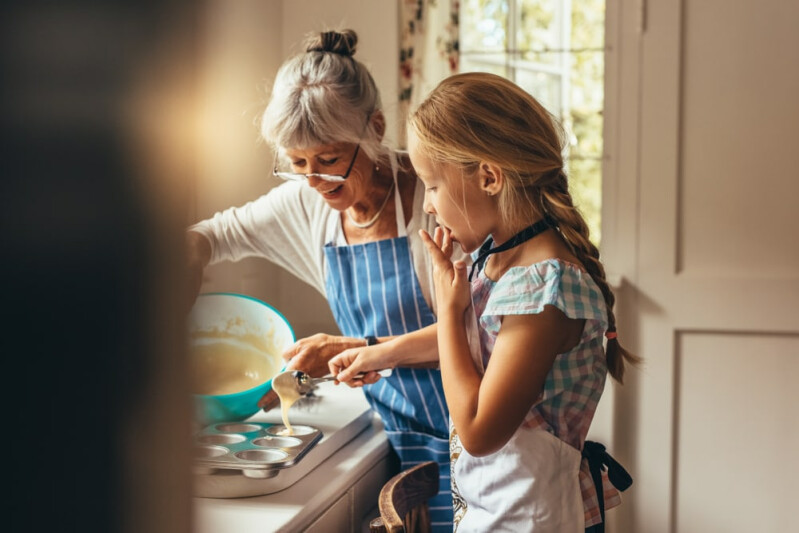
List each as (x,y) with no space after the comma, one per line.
(334,159)
(459,203)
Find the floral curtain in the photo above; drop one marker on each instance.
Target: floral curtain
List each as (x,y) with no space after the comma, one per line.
(428,51)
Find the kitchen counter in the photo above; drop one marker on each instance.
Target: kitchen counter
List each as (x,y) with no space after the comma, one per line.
(336,483)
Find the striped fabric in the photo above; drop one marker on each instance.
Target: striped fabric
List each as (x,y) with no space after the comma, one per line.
(372,291)
(575,383)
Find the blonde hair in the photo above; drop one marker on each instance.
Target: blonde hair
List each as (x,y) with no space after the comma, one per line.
(474,117)
(324,96)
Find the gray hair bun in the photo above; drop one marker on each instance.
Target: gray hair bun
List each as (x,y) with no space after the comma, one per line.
(341,43)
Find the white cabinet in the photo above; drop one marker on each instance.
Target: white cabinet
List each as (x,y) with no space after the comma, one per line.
(354,510)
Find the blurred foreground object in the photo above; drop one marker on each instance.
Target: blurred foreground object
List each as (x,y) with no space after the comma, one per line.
(92,201)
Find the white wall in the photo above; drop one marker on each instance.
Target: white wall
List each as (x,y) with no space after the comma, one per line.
(243,44)
(377,24)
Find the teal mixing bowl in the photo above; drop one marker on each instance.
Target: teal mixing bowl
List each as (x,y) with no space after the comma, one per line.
(235,343)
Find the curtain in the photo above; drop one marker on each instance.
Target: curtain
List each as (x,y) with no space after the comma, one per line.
(428,51)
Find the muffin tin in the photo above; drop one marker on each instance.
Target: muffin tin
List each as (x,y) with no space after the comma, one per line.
(257,449)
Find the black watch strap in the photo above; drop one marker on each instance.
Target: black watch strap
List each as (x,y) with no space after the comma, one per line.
(371,340)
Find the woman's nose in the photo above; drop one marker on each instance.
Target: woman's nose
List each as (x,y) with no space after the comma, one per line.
(311,168)
(314,180)
(428,207)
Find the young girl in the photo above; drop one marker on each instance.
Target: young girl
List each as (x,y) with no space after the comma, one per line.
(490,157)
(521,354)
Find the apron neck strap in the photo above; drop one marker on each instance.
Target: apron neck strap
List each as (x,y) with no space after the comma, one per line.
(402,231)
(525,235)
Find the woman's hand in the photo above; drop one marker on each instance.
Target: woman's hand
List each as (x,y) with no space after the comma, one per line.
(449,279)
(366,360)
(311,354)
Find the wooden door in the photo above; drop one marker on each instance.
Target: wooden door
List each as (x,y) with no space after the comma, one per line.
(701,220)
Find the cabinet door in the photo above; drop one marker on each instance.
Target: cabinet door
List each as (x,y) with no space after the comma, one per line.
(337,517)
(706,108)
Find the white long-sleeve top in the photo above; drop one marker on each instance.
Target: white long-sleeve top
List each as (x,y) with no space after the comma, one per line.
(290,226)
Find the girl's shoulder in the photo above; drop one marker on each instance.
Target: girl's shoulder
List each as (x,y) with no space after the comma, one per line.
(565,285)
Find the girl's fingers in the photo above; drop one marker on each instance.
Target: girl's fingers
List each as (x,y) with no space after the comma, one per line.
(355,383)
(432,248)
(460,273)
(371,377)
(345,366)
(338,366)
(439,233)
(446,244)
(345,375)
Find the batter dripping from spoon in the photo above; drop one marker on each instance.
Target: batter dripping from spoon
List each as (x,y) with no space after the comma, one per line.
(286,389)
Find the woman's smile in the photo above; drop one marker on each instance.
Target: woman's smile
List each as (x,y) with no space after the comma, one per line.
(330,192)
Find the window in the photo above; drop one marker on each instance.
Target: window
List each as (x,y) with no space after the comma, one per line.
(554,49)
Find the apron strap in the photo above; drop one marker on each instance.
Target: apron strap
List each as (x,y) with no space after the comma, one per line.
(402,231)
(525,235)
(599,460)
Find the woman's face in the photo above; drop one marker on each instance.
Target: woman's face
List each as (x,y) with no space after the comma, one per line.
(334,159)
(458,203)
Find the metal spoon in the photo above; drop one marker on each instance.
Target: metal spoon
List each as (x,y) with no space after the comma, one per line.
(303,383)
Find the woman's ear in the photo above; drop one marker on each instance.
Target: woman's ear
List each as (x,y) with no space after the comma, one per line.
(491,178)
(378,121)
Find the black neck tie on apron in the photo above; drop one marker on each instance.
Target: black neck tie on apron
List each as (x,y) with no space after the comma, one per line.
(525,235)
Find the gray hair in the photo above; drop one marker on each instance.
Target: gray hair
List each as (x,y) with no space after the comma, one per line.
(324,96)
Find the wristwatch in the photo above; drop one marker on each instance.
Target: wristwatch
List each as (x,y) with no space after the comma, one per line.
(371,340)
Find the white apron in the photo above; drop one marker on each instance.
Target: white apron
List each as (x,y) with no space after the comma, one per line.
(531,484)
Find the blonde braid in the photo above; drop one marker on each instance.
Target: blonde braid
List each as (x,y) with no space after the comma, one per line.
(557,203)
(477,116)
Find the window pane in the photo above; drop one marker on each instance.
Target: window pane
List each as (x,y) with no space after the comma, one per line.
(588,24)
(495,64)
(586,97)
(585,185)
(484,25)
(539,30)
(545,87)
(554,49)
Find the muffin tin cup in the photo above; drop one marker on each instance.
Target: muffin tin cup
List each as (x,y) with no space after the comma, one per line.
(259,450)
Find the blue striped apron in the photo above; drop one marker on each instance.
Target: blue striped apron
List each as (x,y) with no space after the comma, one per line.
(373,290)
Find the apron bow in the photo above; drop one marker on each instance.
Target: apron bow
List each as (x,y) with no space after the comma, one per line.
(598,460)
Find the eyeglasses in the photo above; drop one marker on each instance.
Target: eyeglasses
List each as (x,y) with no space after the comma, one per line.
(294,176)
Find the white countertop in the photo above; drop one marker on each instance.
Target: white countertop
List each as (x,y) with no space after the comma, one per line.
(343,457)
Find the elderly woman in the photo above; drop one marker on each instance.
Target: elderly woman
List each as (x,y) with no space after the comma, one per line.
(346,222)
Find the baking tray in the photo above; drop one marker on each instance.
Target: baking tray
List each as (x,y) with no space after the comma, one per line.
(339,413)
(256,449)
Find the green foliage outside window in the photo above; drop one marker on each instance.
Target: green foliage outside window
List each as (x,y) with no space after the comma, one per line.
(557,54)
